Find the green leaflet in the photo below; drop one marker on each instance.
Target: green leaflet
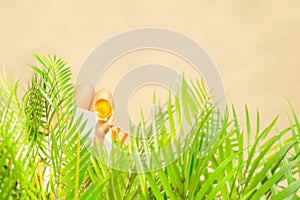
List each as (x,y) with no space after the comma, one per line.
(221,159)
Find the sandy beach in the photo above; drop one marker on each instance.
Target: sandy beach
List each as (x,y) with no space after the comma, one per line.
(254,44)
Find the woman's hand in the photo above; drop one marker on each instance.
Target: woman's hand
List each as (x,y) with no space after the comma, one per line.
(86,99)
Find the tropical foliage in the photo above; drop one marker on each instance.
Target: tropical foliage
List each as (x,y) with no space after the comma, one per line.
(42,155)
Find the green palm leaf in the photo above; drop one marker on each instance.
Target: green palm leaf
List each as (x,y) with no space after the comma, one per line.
(42,155)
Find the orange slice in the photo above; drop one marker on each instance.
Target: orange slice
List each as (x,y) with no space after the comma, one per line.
(103,109)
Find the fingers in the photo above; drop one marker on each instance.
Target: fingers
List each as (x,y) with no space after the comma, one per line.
(84,95)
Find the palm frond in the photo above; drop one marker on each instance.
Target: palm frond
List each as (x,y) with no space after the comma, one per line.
(43,156)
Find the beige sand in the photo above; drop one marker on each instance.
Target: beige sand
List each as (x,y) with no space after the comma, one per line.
(255,44)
